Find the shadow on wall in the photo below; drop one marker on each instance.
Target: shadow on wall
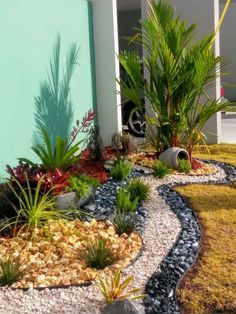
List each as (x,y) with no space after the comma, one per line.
(53,106)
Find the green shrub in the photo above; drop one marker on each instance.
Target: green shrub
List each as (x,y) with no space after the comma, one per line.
(99,255)
(81,184)
(124,223)
(11,271)
(124,203)
(184,165)
(160,169)
(121,169)
(138,189)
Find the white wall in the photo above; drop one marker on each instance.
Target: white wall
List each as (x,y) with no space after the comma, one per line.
(228,49)
(107,67)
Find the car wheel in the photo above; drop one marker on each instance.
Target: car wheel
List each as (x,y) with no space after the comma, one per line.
(136,122)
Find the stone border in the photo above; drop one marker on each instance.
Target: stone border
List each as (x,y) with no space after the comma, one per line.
(161,288)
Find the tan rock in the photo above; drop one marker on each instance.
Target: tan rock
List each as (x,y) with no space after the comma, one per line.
(111,231)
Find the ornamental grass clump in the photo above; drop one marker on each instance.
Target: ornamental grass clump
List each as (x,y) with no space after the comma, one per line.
(160,169)
(12,270)
(115,289)
(124,222)
(35,208)
(121,169)
(99,255)
(124,204)
(138,189)
(184,166)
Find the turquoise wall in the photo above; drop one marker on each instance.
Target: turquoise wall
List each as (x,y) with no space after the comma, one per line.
(28,29)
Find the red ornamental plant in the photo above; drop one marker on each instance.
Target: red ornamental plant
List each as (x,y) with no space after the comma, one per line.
(56,179)
(83,128)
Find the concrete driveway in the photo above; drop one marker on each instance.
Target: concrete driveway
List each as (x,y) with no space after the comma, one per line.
(229,128)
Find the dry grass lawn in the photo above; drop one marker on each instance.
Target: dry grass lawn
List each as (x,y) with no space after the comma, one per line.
(221,152)
(211,286)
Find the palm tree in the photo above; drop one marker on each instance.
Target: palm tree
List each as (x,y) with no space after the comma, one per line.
(179,72)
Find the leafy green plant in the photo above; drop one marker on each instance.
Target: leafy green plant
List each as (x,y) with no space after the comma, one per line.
(138,189)
(36,208)
(115,289)
(12,270)
(121,169)
(184,166)
(61,156)
(160,169)
(124,222)
(124,203)
(99,255)
(81,184)
(180,71)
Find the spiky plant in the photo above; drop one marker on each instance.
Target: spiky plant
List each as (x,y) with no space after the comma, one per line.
(160,169)
(124,222)
(138,189)
(99,255)
(124,204)
(121,169)
(12,270)
(115,289)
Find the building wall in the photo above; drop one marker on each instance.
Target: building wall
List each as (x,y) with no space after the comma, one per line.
(107,67)
(228,50)
(27,31)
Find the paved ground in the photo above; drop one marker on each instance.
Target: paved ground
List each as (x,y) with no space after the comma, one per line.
(229,128)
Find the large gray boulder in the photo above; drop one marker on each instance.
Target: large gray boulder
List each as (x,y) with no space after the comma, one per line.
(124,306)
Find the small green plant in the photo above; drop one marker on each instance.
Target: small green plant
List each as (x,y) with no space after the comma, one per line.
(124,223)
(36,208)
(160,169)
(124,203)
(116,289)
(99,255)
(184,165)
(81,184)
(138,189)
(121,169)
(11,270)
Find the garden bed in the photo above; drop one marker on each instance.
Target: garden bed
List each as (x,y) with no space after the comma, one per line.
(160,231)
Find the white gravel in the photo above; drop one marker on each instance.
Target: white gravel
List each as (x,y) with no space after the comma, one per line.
(161,232)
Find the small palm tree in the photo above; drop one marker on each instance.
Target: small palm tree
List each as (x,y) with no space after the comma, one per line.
(179,71)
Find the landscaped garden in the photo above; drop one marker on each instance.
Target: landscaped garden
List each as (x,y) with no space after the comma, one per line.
(90,228)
